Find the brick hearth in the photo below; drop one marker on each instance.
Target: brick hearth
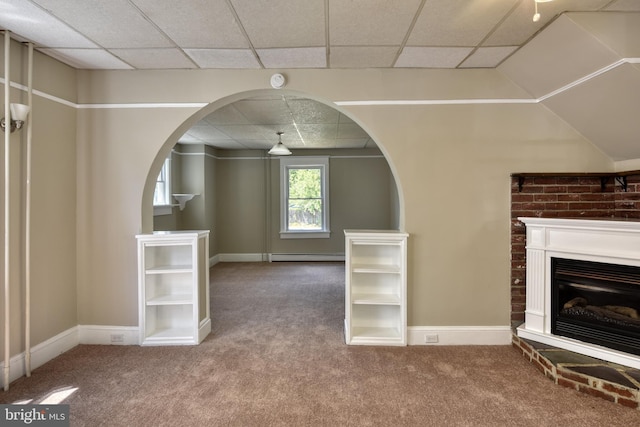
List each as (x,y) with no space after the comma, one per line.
(609,381)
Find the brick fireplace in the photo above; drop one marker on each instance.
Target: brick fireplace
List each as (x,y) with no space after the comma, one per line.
(583,196)
(583,246)
(547,195)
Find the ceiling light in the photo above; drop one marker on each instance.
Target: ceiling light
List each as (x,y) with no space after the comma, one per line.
(279,149)
(536,15)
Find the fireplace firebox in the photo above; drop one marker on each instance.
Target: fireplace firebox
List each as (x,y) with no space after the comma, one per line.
(596,302)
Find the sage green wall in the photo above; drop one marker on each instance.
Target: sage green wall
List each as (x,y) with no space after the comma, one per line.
(239,199)
(192,171)
(241,191)
(359,198)
(53,202)
(94,170)
(211,199)
(451,163)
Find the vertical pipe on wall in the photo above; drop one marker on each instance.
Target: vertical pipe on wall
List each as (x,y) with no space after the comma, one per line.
(7,132)
(27,224)
(267,209)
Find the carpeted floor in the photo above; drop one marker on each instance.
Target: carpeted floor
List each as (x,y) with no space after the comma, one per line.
(277,357)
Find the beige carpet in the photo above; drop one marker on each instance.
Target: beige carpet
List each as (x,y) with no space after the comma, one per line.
(277,358)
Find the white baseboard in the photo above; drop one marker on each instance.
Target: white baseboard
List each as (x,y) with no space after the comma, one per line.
(42,353)
(306,257)
(108,335)
(241,257)
(459,335)
(258,257)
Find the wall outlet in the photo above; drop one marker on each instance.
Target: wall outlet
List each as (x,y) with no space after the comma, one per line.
(431,338)
(117,338)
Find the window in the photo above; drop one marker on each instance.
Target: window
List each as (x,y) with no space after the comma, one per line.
(304,197)
(162,193)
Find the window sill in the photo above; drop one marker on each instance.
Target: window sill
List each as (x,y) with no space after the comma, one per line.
(162,210)
(305,234)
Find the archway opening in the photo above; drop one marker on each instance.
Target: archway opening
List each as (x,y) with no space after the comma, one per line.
(238,130)
(232,186)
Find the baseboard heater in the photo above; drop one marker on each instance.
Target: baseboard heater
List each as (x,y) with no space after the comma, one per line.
(305,257)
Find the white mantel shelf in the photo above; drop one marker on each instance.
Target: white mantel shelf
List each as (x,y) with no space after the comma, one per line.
(613,241)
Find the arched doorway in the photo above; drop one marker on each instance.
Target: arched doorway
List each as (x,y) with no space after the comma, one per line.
(220,157)
(247,123)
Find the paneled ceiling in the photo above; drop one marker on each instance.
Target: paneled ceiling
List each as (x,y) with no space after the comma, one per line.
(168,34)
(253,123)
(281,34)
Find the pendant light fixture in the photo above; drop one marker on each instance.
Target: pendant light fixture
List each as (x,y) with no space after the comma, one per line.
(279,149)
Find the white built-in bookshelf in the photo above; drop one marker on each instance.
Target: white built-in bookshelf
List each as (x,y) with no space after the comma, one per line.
(173,282)
(375,287)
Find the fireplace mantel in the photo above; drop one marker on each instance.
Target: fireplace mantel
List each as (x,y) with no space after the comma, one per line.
(610,241)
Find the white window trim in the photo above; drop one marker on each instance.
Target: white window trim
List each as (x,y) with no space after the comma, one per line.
(166,209)
(323,163)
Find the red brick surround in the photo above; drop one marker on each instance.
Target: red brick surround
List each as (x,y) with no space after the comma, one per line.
(559,196)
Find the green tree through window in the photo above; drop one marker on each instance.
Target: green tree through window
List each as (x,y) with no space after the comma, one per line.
(305,201)
(304,197)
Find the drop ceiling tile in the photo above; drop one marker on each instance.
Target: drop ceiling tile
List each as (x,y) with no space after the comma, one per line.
(488,57)
(351,142)
(289,132)
(304,144)
(511,32)
(223,58)
(318,144)
(371,144)
(457,22)
(310,57)
(254,145)
(87,59)
(265,112)
(110,24)
(154,58)
(187,138)
(206,132)
(363,56)
(242,132)
(344,119)
(346,131)
(226,144)
(282,23)
(318,132)
(196,23)
(309,111)
(34,24)
(370,22)
(432,57)
(227,115)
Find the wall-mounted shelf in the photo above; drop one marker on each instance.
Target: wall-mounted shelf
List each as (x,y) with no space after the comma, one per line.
(619,177)
(183,198)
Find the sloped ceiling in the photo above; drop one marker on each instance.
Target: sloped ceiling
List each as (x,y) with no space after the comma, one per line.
(591,79)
